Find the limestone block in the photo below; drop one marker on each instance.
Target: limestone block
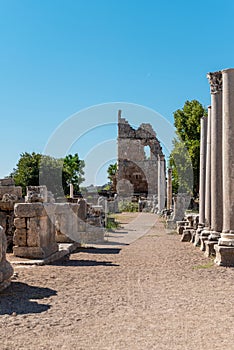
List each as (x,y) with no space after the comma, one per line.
(9,181)
(35,252)
(15,190)
(20,237)
(29,210)
(33,233)
(20,223)
(36,194)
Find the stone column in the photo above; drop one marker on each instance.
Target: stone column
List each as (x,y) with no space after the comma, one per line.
(225,248)
(161,183)
(208,169)
(202,179)
(169,189)
(202,171)
(215,80)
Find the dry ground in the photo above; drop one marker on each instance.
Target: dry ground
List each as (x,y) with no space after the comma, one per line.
(156,293)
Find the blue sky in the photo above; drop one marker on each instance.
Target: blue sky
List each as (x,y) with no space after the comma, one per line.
(60,57)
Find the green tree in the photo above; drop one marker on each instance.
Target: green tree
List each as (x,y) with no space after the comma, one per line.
(112,175)
(187,123)
(26,172)
(56,173)
(73,171)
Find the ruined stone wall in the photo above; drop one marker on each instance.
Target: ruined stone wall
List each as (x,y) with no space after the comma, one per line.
(133,164)
(9,195)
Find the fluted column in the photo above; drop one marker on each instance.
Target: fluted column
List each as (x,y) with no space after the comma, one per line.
(215,80)
(161,183)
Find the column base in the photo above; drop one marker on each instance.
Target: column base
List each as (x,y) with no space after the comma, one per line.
(193,235)
(224,255)
(180,226)
(209,248)
(187,235)
(227,239)
(214,236)
(204,237)
(197,235)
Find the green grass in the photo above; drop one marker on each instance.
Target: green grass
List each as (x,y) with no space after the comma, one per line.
(205,266)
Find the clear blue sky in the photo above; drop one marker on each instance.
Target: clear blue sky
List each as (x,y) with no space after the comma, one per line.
(61,56)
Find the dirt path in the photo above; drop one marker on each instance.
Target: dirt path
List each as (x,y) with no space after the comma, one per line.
(156,293)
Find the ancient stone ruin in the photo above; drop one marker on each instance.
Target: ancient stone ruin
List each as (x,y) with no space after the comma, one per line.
(9,195)
(41,225)
(6,270)
(140,173)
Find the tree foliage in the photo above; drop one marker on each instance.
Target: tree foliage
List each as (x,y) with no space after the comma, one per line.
(184,158)
(56,173)
(112,175)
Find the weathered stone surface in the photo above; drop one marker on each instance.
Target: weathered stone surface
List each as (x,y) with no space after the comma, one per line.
(20,237)
(133,165)
(8,181)
(36,194)
(186,235)
(209,248)
(33,232)
(6,270)
(20,222)
(29,210)
(14,190)
(224,256)
(35,252)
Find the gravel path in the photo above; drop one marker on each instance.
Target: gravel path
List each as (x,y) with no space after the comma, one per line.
(156,293)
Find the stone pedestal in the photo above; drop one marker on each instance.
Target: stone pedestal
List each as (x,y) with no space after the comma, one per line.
(209,248)
(187,235)
(34,236)
(6,270)
(224,256)
(204,237)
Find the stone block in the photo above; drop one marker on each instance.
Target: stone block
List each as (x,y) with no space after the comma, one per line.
(186,236)
(35,252)
(15,190)
(29,210)
(224,255)
(20,223)
(9,181)
(33,233)
(20,237)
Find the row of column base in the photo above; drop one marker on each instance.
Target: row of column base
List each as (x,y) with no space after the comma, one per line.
(211,243)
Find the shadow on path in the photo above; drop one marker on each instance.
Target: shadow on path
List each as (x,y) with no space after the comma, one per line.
(17,298)
(99,250)
(82,263)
